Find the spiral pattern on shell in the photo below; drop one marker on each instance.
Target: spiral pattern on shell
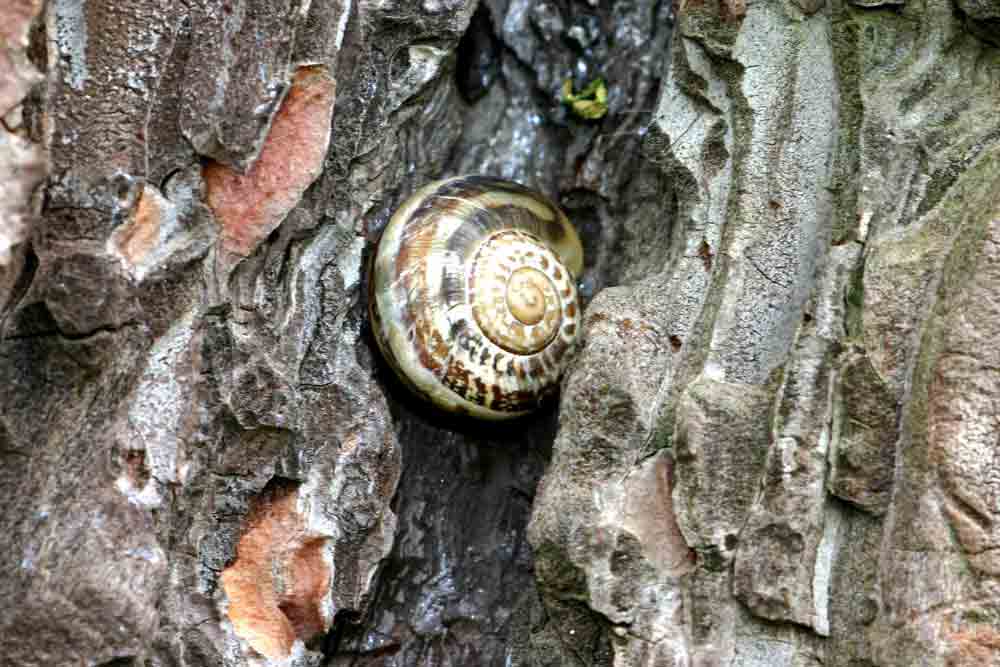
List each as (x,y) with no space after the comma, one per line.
(472,295)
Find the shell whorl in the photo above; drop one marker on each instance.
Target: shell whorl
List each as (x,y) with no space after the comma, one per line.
(473,300)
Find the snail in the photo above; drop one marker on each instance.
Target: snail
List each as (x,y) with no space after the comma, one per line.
(472,296)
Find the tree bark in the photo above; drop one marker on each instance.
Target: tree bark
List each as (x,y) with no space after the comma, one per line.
(776,445)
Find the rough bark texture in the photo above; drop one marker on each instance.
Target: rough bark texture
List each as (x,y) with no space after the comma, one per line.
(776,446)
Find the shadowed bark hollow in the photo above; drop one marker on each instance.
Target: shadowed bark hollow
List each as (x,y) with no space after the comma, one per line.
(775,446)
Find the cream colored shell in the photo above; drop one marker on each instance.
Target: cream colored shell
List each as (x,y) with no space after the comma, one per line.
(472,295)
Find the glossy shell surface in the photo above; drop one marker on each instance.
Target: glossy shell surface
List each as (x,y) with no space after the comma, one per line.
(473,298)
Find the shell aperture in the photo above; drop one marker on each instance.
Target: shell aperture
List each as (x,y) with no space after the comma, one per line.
(472,295)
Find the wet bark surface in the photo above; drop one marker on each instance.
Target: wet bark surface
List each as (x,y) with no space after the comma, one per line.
(775,445)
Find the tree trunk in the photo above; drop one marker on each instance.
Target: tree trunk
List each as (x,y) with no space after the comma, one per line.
(776,445)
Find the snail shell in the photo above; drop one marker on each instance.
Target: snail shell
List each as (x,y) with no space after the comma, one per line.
(473,298)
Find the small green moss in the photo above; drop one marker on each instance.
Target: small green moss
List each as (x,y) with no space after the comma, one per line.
(590,103)
(711,559)
(855,303)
